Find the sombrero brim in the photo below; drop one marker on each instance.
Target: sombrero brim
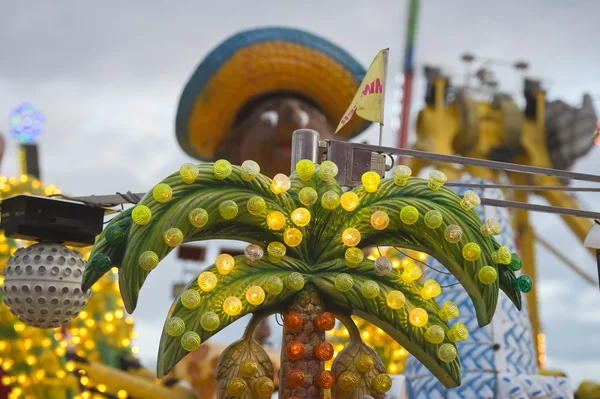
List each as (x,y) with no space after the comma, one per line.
(256,63)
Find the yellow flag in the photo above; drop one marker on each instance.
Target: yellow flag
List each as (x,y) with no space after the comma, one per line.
(368,100)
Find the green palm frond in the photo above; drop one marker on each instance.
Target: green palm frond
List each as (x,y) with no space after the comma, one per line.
(235,284)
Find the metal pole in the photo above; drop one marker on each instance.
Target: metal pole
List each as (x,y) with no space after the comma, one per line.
(305,145)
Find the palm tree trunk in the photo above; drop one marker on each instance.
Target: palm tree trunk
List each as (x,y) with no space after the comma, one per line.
(308,304)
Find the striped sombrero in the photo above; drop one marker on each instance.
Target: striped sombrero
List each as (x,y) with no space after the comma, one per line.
(257,63)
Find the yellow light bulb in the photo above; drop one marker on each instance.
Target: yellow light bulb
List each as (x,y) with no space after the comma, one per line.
(370,181)
(256,205)
(222,169)
(487,275)
(328,171)
(418,317)
(349,201)
(458,332)
(351,237)
(162,193)
(471,252)
(250,169)
(207,281)
(433,219)
(276,251)
(292,237)
(232,306)
(436,180)
(190,341)
(453,233)
(224,264)
(210,321)
(382,383)
(430,289)
(255,295)
(308,196)
(343,282)
(228,209)
(305,169)
(300,217)
(411,272)
(141,215)
(401,174)
(281,183)
(502,256)
(491,227)
(353,257)
(190,299)
(470,200)
(173,237)
(122,394)
(435,334)
(294,281)
(275,220)
(447,353)
(449,311)
(395,299)
(409,215)
(236,386)
(198,217)
(380,220)
(330,200)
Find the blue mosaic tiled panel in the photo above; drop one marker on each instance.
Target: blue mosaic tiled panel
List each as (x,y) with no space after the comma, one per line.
(533,387)
(505,345)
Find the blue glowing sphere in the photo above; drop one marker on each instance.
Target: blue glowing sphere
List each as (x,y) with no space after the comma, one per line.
(26,123)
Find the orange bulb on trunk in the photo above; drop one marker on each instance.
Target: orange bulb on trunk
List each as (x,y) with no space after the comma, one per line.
(293,322)
(324,379)
(294,378)
(326,321)
(294,350)
(324,351)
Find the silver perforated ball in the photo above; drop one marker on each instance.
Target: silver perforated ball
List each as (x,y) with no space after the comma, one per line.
(383,266)
(42,285)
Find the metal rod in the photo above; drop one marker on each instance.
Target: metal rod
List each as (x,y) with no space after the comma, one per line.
(522,187)
(511,167)
(566,260)
(540,208)
(104,200)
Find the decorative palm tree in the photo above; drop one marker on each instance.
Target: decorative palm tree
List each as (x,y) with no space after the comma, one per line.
(313,272)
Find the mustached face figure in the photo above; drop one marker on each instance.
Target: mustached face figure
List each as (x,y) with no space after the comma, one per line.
(263,132)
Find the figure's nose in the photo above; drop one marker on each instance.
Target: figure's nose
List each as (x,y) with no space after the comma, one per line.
(291,115)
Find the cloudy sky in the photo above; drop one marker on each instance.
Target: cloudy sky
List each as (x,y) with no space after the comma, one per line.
(108,76)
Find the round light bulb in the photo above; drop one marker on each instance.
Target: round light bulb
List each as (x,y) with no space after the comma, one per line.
(349,201)
(471,252)
(491,227)
(188,173)
(370,181)
(305,169)
(292,237)
(232,306)
(253,254)
(141,215)
(162,193)
(515,262)
(343,282)
(383,266)
(210,321)
(330,200)
(523,283)
(173,237)
(198,217)
(207,281)
(458,332)
(328,171)
(435,334)
(409,215)
(275,220)
(502,256)
(300,217)
(347,381)
(175,326)
(190,341)
(281,183)
(380,220)
(294,281)
(353,257)
(236,386)
(114,235)
(274,285)
(401,174)
(433,219)
(447,353)
(418,317)
(395,300)
(190,299)
(453,233)
(228,209)
(351,237)
(224,264)
(382,383)
(411,272)
(308,196)
(222,169)
(370,289)
(487,275)
(276,251)
(248,368)
(364,363)
(250,169)
(264,386)
(449,311)
(148,260)
(256,205)
(470,200)
(430,289)
(255,295)
(436,180)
